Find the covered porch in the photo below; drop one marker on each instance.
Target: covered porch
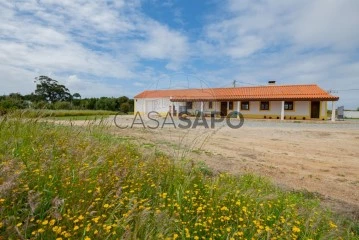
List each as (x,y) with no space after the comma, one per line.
(263,109)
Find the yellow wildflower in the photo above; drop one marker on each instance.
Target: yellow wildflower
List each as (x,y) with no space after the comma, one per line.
(295,229)
(332,225)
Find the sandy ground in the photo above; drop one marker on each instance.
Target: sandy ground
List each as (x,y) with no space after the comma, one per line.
(319,157)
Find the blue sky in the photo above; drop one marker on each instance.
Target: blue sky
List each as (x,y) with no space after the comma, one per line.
(115,48)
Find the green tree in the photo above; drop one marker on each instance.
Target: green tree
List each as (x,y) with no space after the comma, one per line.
(132,105)
(125,107)
(90,103)
(50,90)
(76,96)
(12,101)
(105,103)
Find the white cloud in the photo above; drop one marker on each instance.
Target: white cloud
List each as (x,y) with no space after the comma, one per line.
(291,41)
(327,23)
(162,43)
(83,38)
(101,47)
(249,26)
(88,88)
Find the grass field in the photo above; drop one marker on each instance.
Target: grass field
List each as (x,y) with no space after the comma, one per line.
(85,117)
(66,114)
(60,182)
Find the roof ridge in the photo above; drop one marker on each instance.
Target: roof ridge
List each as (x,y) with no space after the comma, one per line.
(259,86)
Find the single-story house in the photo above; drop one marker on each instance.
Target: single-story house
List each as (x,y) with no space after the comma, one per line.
(271,101)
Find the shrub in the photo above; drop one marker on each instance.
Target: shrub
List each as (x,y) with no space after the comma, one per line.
(125,107)
(62,106)
(42,105)
(12,103)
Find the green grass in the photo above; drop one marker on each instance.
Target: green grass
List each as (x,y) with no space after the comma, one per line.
(83,183)
(86,117)
(32,113)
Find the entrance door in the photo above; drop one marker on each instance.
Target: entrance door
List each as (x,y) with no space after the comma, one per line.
(315,110)
(223,109)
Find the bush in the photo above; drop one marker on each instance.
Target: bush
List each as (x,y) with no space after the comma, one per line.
(105,103)
(62,106)
(3,111)
(125,107)
(12,103)
(42,105)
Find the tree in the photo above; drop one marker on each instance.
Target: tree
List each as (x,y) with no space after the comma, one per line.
(76,96)
(105,103)
(50,90)
(125,107)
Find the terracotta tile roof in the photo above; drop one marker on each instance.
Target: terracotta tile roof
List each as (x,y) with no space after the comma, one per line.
(270,92)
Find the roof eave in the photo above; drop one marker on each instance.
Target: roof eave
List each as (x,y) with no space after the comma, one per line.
(255,99)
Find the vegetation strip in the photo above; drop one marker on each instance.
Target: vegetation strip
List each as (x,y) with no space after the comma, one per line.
(61,182)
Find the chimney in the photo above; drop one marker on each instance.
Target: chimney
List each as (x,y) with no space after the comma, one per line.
(271,82)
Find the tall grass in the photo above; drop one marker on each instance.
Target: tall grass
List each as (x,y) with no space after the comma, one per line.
(60,182)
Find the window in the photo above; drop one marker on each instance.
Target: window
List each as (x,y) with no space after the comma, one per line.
(288,106)
(230,105)
(189,105)
(210,105)
(264,106)
(244,105)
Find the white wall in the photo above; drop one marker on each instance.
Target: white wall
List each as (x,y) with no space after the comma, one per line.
(351,114)
(152,104)
(162,105)
(301,108)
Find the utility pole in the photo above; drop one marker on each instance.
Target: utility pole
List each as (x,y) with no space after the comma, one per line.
(234,83)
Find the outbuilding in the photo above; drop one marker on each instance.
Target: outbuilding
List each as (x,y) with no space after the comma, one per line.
(264,102)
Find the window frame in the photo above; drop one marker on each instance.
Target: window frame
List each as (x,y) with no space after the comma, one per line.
(260,106)
(210,105)
(189,105)
(230,105)
(245,103)
(288,103)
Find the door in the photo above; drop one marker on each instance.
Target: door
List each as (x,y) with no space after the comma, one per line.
(223,109)
(315,110)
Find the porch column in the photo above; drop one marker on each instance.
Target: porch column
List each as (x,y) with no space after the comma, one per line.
(282,111)
(333,111)
(201,108)
(238,107)
(227,107)
(171,108)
